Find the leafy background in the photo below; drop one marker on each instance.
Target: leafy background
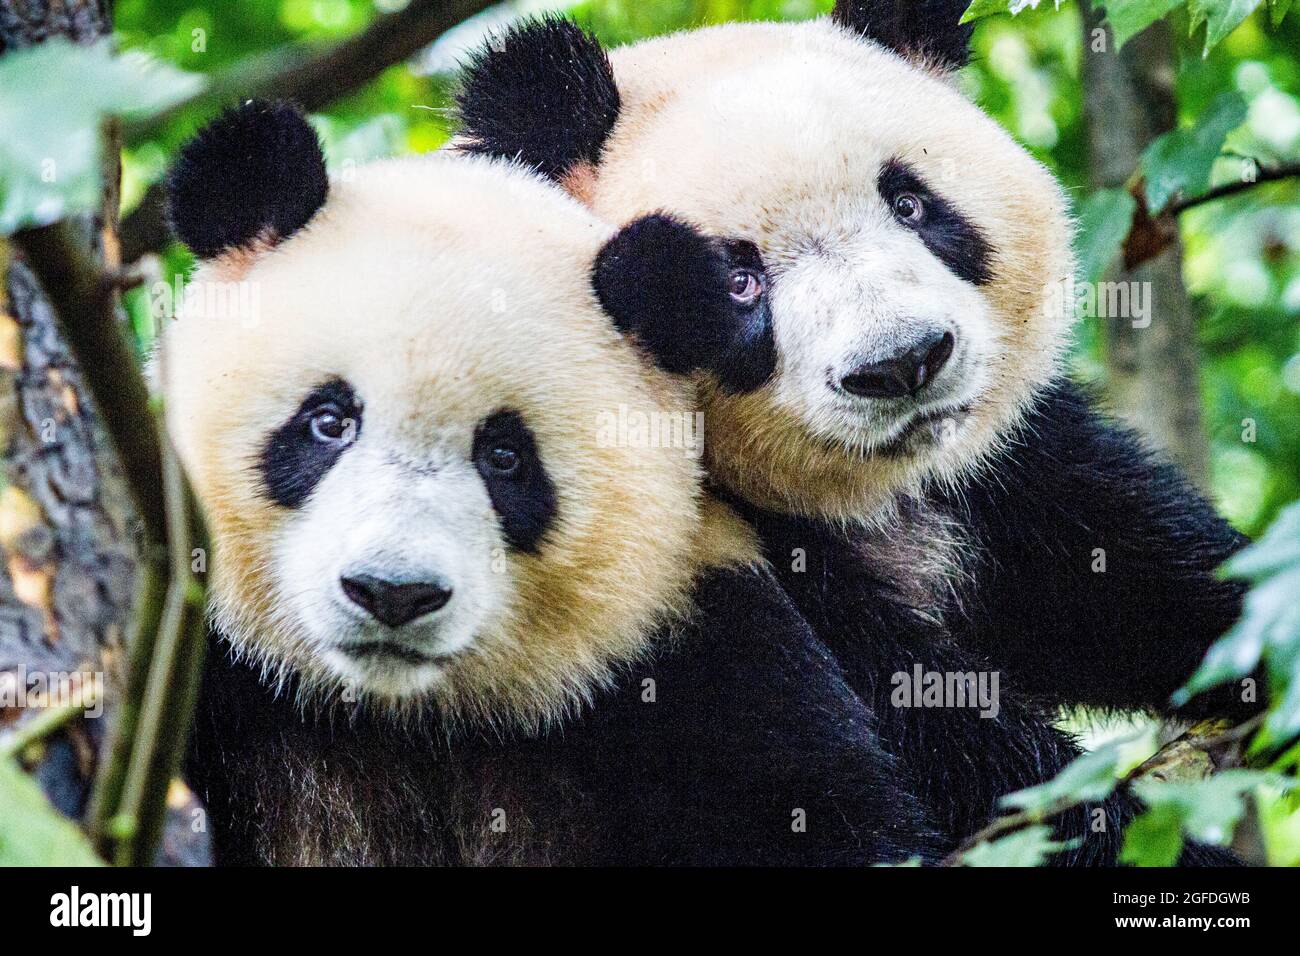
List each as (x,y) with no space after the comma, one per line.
(1237,81)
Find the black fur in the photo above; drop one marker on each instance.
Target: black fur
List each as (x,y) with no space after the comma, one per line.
(293,462)
(543,93)
(667,285)
(523,499)
(737,742)
(953,239)
(256,173)
(916,29)
(962,761)
(1126,637)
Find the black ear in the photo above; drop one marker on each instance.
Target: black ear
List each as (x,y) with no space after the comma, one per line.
(543,93)
(256,173)
(669,287)
(917,29)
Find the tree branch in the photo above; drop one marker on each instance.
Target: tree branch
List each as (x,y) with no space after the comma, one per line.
(166,707)
(1150,235)
(1266,174)
(167,633)
(311,78)
(1178,759)
(314,78)
(50,720)
(83,298)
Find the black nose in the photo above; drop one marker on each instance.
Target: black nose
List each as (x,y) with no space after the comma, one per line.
(904,373)
(395,603)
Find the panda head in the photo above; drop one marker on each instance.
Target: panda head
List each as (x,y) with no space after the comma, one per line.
(392,394)
(907,255)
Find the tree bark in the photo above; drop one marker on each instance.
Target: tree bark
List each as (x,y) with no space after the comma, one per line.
(1154,379)
(68,555)
(68,531)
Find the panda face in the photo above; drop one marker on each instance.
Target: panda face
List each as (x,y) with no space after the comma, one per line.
(909,248)
(386,555)
(402,456)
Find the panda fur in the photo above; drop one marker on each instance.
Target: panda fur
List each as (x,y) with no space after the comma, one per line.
(960,528)
(605,672)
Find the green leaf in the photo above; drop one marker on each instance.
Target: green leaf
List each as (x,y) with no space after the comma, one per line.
(1028,847)
(1090,777)
(983,8)
(987,8)
(1180,160)
(1278,10)
(1205,810)
(1269,628)
(1220,17)
(1278,550)
(1104,221)
(1283,722)
(33,833)
(53,98)
(1153,839)
(1128,18)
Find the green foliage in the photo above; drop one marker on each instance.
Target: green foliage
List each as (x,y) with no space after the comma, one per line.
(1153,839)
(33,833)
(1090,777)
(49,163)
(1030,846)
(1207,811)
(1104,219)
(1128,18)
(987,8)
(1180,160)
(1269,629)
(1220,17)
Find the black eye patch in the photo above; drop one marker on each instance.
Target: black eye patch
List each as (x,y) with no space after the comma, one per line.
(505,454)
(296,456)
(667,284)
(953,239)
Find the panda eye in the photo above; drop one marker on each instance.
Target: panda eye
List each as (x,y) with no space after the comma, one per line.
(908,208)
(746,283)
(746,286)
(503,460)
(331,427)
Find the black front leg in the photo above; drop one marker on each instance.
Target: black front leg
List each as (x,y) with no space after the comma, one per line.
(966,752)
(1094,566)
(740,743)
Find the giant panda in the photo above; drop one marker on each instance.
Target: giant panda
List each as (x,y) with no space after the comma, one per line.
(455,618)
(931,489)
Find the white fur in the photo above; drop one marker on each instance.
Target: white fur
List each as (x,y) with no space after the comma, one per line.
(421,516)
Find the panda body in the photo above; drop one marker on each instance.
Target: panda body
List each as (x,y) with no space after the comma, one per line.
(688,758)
(928,486)
(452,622)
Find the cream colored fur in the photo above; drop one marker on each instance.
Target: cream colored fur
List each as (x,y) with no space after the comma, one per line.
(445,289)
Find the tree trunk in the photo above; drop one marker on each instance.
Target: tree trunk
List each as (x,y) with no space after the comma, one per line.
(1154,377)
(68,532)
